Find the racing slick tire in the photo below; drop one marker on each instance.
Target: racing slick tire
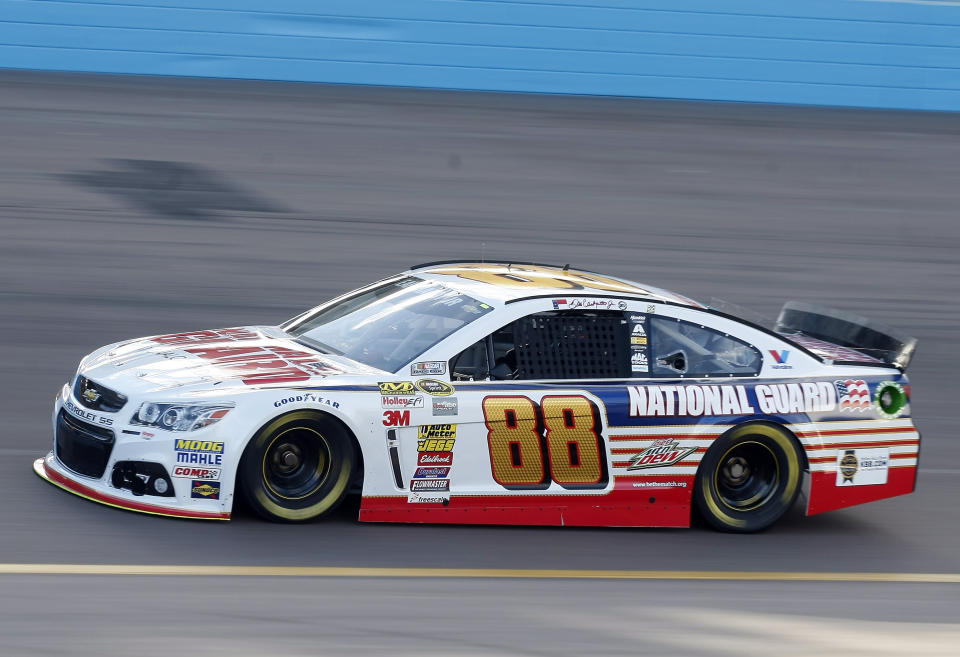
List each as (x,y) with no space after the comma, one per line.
(748,478)
(298,467)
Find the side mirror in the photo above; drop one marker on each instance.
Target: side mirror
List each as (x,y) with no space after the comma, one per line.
(676,362)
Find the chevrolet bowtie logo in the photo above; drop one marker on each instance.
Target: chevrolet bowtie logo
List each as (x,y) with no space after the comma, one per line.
(90,395)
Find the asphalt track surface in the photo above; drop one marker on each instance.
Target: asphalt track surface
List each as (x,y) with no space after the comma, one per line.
(139,206)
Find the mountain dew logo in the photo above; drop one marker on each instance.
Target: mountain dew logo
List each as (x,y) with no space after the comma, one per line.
(661,453)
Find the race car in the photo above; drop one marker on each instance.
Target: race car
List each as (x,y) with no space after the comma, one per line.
(497,393)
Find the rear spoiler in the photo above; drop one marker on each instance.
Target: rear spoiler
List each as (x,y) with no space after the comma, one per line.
(847,330)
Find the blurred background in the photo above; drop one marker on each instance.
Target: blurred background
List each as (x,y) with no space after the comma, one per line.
(169,165)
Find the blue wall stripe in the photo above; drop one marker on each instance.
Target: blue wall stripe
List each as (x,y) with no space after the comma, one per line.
(843,52)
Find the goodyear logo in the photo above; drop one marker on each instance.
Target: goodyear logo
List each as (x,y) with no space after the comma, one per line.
(209,490)
(436,437)
(207,446)
(397,388)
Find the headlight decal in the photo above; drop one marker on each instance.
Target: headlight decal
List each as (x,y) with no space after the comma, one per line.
(179,417)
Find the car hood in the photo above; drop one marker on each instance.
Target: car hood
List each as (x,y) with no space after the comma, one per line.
(241,357)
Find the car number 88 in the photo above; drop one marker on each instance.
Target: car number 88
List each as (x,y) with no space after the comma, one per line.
(556,441)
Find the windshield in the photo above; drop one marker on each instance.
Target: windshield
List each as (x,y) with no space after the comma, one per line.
(388,326)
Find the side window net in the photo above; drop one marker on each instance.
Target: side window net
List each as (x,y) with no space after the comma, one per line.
(569,346)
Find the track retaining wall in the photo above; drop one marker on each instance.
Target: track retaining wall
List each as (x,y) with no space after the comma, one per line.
(864,53)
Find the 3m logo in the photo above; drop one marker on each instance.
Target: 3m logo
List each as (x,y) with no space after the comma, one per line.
(397,388)
(396,418)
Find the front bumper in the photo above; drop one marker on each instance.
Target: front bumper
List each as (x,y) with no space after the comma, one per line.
(80,465)
(48,468)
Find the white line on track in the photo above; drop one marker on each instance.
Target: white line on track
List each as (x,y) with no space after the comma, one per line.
(467,573)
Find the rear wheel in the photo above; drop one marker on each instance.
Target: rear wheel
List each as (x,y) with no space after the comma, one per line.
(749,478)
(297,467)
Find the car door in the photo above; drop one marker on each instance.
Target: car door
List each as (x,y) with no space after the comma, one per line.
(575,416)
(526,423)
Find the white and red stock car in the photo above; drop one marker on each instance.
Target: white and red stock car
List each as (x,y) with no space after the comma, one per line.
(497,393)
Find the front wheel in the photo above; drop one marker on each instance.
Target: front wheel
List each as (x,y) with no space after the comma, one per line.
(749,478)
(297,467)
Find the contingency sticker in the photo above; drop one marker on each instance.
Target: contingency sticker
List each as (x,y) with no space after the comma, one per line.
(639,348)
(863,467)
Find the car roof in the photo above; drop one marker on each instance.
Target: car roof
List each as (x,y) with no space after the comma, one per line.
(503,282)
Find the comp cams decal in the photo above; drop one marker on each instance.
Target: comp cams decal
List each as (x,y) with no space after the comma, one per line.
(191,472)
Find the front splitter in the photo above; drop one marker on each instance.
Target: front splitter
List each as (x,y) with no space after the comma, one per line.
(47,473)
